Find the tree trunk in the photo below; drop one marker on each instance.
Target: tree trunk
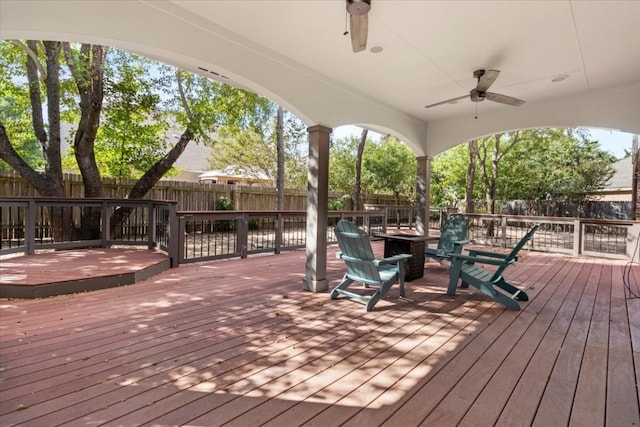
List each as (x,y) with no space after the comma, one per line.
(88,75)
(357,191)
(147,181)
(471,176)
(39,180)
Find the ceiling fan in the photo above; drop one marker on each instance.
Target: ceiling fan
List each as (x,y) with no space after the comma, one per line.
(479,93)
(358,23)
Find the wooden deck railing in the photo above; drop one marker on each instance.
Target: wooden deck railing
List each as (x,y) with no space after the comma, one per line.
(28,225)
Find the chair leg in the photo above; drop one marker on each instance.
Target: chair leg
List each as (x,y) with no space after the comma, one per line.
(342,285)
(454,275)
(517,293)
(505,300)
(372,301)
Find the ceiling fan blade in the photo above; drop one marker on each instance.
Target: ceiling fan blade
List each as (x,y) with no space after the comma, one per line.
(448,101)
(504,99)
(486,80)
(359,27)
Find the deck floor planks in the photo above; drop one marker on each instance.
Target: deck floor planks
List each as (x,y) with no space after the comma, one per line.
(590,397)
(421,374)
(555,406)
(522,404)
(331,332)
(389,403)
(476,342)
(457,401)
(487,407)
(168,333)
(621,381)
(87,319)
(188,352)
(219,297)
(347,395)
(359,351)
(207,352)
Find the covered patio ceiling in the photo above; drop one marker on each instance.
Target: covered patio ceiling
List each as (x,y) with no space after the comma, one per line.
(295,53)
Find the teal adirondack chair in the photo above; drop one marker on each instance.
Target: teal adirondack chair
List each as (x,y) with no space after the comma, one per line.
(490,283)
(453,231)
(362,266)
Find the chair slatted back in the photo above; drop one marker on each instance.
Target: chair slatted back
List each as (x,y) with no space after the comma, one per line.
(357,252)
(454,230)
(514,252)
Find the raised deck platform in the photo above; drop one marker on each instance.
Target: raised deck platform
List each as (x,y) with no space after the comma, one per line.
(72,271)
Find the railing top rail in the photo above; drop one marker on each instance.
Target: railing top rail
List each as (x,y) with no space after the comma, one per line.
(256,212)
(78,200)
(552,219)
(292,212)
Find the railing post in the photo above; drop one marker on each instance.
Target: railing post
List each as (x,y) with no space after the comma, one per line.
(577,237)
(30,227)
(503,227)
(243,235)
(106,223)
(633,234)
(151,225)
(181,238)
(386,218)
(279,232)
(410,215)
(174,242)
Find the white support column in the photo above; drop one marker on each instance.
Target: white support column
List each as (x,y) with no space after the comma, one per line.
(317,205)
(423,190)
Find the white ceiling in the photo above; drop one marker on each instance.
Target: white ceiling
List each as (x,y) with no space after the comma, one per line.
(295,52)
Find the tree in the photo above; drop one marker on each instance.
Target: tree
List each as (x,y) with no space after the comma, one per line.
(254,152)
(448,176)
(559,164)
(49,181)
(391,167)
(471,176)
(491,151)
(342,164)
(134,128)
(544,164)
(358,186)
(72,78)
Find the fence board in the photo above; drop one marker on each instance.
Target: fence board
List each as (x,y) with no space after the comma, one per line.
(191,196)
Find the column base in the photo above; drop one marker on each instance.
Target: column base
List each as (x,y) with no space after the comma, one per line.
(316,286)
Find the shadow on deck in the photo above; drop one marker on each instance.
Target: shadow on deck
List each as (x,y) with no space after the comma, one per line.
(238,342)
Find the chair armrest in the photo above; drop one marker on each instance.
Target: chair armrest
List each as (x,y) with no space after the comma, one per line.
(457,246)
(480,260)
(393,259)
(476,252)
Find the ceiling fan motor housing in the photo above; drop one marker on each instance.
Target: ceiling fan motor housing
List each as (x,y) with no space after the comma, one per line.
(477,95)
(358,7)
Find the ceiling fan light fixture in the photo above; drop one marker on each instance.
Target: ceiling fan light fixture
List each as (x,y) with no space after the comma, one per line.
(358,7)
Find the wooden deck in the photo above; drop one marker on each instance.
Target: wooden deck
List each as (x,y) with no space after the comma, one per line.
(239,343)
(71,271)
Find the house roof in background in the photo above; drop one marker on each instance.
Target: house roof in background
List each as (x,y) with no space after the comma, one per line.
(623,176)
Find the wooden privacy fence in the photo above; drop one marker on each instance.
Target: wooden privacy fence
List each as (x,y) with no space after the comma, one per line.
(190,196)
